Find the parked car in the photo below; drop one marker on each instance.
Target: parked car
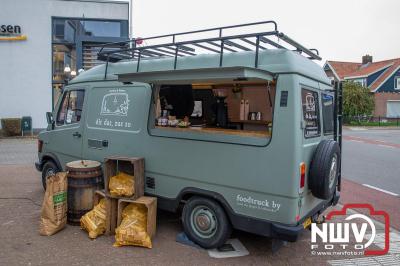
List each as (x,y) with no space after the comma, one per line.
(270,177)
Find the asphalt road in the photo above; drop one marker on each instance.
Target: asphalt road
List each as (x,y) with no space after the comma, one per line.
(372,157)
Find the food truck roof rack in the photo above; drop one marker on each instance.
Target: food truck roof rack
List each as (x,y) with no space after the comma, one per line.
(169,46)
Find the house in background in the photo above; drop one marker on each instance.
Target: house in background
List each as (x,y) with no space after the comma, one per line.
(381,78)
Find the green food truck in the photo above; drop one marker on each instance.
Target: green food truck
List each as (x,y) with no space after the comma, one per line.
(242,130)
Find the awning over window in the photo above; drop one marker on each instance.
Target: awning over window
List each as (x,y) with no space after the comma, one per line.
(187,76)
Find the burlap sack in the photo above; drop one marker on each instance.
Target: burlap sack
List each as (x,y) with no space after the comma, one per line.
(54,208)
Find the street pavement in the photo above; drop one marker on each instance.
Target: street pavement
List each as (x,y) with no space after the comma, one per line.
(18,151)
(21,195)
(372,157)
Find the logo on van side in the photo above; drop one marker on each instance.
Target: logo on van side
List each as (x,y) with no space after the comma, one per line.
(115,103)
(310,103)
(251,203)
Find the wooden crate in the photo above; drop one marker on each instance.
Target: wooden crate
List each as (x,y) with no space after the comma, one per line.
(151,205)
(130,166)
(111,210)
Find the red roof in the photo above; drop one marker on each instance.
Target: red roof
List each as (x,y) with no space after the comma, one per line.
(350,69)
(342,69)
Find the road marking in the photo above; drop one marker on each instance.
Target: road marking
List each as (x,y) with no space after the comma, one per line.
(382,190)
(382,143)
(358,128)
(386,146)
(9,222)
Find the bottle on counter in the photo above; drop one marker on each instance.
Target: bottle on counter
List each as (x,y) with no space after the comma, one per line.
(246,109)
(241,113)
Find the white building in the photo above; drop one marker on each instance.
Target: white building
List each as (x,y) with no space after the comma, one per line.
(43,44)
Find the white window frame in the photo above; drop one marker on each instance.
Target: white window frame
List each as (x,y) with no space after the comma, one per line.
(397,83)
(362,81)
(388,101)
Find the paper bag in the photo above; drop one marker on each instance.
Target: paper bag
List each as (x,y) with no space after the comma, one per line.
(54,208)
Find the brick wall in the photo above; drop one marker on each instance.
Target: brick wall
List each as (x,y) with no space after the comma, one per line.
(380,102)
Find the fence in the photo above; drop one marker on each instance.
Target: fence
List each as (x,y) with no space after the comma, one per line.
(369,120)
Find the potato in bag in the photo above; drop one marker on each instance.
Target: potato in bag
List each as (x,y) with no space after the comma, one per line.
(133,229)
(94,222)
(121,185)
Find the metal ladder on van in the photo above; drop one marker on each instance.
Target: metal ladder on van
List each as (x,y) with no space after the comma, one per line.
(338,123)
(193,43)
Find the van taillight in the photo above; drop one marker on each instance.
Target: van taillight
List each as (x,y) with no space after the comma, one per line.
(40,145)
(302,175)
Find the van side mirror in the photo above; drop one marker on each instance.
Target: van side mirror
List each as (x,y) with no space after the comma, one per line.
(50,120)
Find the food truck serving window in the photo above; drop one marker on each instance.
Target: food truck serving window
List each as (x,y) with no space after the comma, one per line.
(234,113)
(311,115)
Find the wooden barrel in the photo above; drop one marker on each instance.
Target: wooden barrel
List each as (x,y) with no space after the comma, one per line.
(84,178)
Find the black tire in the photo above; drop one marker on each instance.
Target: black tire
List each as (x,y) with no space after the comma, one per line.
(323,174)
(194,208)
(48,168)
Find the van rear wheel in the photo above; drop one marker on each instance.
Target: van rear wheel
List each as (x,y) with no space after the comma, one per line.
(205,222)
(49,168)
(323,175)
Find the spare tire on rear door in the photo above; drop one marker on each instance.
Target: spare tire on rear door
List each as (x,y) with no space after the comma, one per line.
(323,175)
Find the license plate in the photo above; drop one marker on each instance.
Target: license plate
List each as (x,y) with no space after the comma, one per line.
(307,222)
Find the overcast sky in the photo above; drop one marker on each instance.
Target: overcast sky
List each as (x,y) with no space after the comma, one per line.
(342,30)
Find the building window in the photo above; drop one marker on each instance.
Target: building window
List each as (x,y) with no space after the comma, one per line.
(64,30)
(102,28)
(361,81)
(397,83)
(64,62)
(75,43)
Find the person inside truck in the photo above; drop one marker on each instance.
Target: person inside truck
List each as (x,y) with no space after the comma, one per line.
(178,99)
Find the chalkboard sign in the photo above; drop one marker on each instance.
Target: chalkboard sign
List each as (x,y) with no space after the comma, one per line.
(310,102)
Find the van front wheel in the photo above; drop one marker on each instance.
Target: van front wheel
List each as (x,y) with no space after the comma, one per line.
(49,168)
(205,222)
